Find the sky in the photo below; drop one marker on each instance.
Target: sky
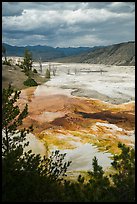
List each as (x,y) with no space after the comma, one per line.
(67,24)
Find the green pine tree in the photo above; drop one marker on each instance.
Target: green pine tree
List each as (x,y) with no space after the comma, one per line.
(124,178)
(26,177)
(26,65)
(12,118)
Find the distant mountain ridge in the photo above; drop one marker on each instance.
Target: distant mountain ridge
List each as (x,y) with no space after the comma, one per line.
(46,53)
(117,54)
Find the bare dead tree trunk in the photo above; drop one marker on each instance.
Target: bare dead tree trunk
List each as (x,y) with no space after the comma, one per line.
(7,139)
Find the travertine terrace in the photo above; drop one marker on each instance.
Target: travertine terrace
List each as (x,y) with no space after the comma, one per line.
(84,111)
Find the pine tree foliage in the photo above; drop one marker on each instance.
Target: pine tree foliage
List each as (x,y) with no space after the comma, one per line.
(26,176)
(11,119)
(26,65)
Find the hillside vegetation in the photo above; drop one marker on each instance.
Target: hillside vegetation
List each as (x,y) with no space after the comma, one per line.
(14,75)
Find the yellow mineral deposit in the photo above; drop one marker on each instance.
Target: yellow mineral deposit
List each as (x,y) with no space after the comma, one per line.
(56,117)
(84,115)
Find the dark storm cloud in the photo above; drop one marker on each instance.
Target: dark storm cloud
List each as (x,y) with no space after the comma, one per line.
(67,23)
(11,9)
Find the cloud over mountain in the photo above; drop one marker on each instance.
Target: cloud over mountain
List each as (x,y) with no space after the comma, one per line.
(67,24)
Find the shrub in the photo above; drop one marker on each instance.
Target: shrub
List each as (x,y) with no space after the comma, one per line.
(30,82)
(47,74)
(35,71)
(7,62)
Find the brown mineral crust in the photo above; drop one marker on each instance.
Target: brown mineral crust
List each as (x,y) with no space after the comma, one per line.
(73,113)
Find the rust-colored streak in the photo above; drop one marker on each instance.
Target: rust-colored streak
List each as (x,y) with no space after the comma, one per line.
(73,112)
(68,113)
